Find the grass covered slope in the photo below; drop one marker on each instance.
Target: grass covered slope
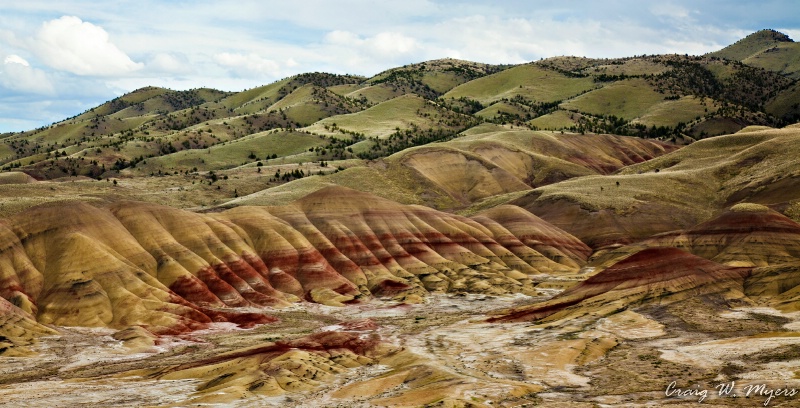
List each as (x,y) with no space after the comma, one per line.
(381,120)
(628,99)
(226,155)
(529,81)
(768,49)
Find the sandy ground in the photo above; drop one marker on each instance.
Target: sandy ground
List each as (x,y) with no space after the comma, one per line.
(626,359)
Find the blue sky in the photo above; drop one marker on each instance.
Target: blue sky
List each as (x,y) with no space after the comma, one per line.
(58,59)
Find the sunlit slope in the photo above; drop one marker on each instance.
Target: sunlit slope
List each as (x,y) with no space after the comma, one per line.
(18,325)
(479,165)
(383,119)
(671,112)
(628,99)
(747,256)
(766,49)
(674,191)
(261,98)
(529,81)
(429,79)
(309,104)
(525,158)
(234,153)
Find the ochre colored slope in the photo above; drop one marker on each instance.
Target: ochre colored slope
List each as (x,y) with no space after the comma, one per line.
(652,275)
(532,156)
(17,329)
(674,191)
(477,166)
(395,245)
(275,368)
(86,269)
(464,176)
(171,270)
(745,235)
(524,230)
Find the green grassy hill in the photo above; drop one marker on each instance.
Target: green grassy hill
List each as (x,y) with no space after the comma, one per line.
(628,99)
(753,44)
(249,149)
(431,79)
(331,125)
(401,113)
(529,81)
(768,49)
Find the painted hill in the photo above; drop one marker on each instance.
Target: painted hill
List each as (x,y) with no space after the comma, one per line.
(674,191)
(170,270)
(659,275)
(745,235)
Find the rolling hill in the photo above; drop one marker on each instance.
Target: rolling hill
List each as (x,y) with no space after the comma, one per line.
(677,97)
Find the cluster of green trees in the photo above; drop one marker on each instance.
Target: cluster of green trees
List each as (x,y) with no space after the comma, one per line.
(289,175)
(403,139)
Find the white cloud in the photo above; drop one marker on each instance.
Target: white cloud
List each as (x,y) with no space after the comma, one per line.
(342,37)
(391,44)
(384,44)
(170,63)
(793,34)
(368,55)
(114,47)
(16,59)
(18,75)
(248,65)
(669,10)
(81,48)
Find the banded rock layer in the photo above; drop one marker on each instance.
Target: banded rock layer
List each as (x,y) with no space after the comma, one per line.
(274,369)
(652,275)
(172,271)
(745,235)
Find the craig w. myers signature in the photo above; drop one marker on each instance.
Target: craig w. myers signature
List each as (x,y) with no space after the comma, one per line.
(730,390)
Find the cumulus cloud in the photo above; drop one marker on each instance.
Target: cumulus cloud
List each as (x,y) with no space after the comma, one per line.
(80,47)
(18,75)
